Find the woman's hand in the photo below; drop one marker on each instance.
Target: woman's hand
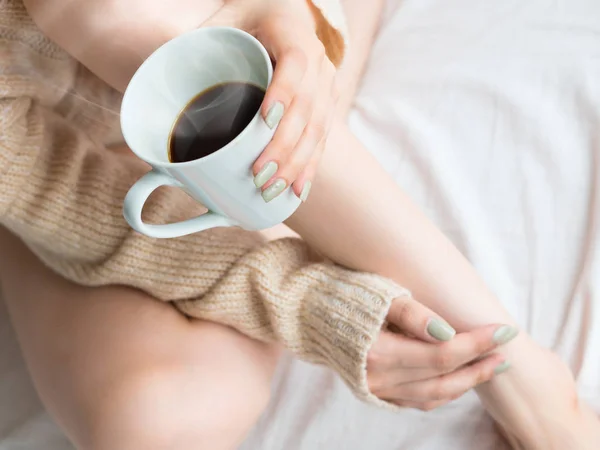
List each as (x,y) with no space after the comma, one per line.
(301,99)
(422,363)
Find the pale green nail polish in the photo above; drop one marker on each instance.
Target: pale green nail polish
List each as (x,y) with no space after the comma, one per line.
(505,334)
(440,330)
(274,115)
(502,367)
(274,190)
(305,191)
(265,174)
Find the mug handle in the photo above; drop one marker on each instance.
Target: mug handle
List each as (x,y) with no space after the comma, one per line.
(139,193)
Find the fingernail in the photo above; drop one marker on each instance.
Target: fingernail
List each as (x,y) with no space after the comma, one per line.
(305,191)
(505,334)
(274,190)
(440,330)
(265,174)
(274,115)
(502,367)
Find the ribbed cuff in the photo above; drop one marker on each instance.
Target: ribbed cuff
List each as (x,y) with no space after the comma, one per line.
(346,314)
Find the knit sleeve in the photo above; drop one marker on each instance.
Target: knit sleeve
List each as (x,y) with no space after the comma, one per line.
(62,194)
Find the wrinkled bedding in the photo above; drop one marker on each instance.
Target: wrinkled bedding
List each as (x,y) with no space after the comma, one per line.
(488,114)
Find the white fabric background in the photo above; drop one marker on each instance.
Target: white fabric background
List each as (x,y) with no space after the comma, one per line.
(488,114)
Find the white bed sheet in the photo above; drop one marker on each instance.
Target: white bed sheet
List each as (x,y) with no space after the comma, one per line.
(488,114)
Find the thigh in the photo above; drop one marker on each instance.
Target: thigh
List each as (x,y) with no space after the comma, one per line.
(112,363)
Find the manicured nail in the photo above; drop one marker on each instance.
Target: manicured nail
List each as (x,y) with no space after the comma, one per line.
(274,190)
(502,367)
(440,330)
(274,115)
(265,174)
(305,191)
(505,334)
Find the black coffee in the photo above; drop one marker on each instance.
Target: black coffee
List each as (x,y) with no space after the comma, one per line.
(213,119)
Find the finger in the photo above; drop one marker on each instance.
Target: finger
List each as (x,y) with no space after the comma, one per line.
(288,102)
(303,184)
(291,60)
(466,348)
(283,146)
(449,386)
(294,52)
(312,142)
(414,318)
(288,76)
(291,66)
(290,70)
(396,353)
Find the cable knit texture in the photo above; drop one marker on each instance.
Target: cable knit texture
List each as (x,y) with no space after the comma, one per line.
(62,193)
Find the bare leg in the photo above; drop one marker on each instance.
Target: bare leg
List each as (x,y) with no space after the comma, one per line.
(118,370)
(389,235)
(359,217)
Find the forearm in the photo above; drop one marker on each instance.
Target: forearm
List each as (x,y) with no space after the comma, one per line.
(112,38)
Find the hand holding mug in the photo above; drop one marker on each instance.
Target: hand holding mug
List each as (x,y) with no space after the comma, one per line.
(302,97)
(192,112)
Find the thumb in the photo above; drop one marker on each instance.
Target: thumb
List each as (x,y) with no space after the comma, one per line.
(410,317)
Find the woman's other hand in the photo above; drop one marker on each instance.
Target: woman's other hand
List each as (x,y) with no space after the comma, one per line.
(419,362)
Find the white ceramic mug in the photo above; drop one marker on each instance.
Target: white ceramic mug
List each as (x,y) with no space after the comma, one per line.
(222,181)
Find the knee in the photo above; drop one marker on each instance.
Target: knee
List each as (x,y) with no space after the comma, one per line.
(174,409)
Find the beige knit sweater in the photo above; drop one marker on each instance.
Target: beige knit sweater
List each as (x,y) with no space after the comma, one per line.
(62,192)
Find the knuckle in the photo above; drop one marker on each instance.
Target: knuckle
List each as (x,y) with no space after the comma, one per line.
(282,92)
(282,147)
(316,130)
(286,145)
(373,361)
(481,346)
(375,383)
(443,359)
(438,391)
(483,375)
(402,312)
(303,104)
(296,57)
(403,361)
